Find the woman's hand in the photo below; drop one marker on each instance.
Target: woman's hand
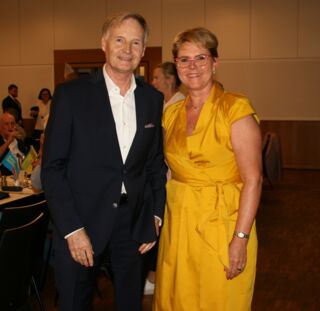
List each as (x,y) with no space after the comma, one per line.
(237,257)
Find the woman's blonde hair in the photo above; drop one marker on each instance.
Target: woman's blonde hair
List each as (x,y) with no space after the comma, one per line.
(200,36)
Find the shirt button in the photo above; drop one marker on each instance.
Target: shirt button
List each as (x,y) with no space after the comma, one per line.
(115,205)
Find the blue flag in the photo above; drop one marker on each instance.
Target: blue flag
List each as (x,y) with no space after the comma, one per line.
(11,162)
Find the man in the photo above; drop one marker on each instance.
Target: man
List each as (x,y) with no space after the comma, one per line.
(11,102)
(103,171)
(10,140)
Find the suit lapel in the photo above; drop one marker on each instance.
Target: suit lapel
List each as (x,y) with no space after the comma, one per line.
(141,110)
(102,99)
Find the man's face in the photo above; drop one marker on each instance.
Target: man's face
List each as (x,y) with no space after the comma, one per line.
(13,92)
(7,125)
(124,47)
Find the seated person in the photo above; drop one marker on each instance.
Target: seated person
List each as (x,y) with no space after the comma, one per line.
(36,172)
(9,140)
(21,133)
(34,112)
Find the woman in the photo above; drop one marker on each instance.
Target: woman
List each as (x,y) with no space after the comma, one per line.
(44,109)
(208,244)
(166,80)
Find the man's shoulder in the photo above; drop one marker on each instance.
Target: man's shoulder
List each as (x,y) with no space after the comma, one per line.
(147,88)
(81,82)
(7,99)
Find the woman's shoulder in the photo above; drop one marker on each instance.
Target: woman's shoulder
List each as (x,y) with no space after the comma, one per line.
(236,105)
(171,112)
(174,107)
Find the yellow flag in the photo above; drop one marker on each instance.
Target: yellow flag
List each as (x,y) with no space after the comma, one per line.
(26,164)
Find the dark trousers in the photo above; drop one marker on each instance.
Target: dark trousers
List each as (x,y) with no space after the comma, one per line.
(76,283)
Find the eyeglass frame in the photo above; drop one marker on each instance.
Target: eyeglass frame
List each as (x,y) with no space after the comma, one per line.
(192,60)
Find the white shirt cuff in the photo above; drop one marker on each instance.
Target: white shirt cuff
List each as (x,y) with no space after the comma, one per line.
(73,232)
(160,220)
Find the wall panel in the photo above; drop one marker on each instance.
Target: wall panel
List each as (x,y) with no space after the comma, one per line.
(178,16)
(77,24)
(309,25)
(230,22)
(279,89)
(299,142)
(274,28)
(36,31)
(9,32)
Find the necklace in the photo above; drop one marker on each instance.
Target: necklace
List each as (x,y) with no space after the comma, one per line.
(195,108)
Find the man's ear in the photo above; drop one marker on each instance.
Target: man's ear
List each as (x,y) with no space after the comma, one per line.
(144,49)
(103,44)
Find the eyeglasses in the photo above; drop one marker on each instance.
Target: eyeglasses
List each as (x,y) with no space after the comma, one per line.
(198,60)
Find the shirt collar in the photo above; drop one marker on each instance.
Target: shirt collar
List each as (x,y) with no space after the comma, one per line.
(113,88)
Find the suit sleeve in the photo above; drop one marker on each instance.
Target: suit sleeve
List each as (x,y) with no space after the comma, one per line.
(56,157)
(156,168)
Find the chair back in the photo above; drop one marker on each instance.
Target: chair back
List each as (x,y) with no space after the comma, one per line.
(272,157)
(23,231)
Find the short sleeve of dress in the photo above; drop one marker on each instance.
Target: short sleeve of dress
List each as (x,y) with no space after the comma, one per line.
(240,108)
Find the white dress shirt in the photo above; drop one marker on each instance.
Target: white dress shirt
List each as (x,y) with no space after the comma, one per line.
(124,113)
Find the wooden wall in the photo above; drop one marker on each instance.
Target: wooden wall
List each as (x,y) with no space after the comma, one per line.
(299,142)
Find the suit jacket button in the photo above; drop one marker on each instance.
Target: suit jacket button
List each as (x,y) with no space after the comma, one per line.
(115,205)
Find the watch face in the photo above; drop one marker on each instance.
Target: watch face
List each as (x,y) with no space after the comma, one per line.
(241,235)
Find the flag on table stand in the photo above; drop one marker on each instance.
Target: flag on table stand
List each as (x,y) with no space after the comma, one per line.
(28,160)
(11,162)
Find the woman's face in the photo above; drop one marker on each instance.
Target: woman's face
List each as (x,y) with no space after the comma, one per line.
(159,81)
(196,71)
(45,96)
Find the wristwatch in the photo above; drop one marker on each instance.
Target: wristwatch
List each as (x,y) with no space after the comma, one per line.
(241,235)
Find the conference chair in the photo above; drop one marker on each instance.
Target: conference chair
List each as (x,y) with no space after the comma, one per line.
(22,237)
(272,158)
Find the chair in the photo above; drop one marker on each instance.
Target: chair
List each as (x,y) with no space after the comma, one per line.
(22,236)
(272,157)
(28,125)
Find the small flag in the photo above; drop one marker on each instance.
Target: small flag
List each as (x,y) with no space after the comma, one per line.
(28,160)
(11,162)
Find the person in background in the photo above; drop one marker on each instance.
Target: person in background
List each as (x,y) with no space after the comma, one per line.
(212,142)
(44,101)
(21,133)
(35,177)
(165,79)
(9,140)
(34,112)
(12,102)
(103,171)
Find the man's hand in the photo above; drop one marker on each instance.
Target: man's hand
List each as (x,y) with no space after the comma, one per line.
(12,135)
(145,247)
(157,223)
(80,248)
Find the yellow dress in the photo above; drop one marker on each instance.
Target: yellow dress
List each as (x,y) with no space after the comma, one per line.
(201,211)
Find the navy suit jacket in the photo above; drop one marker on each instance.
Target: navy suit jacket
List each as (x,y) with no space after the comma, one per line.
(8,103)
(82,168)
